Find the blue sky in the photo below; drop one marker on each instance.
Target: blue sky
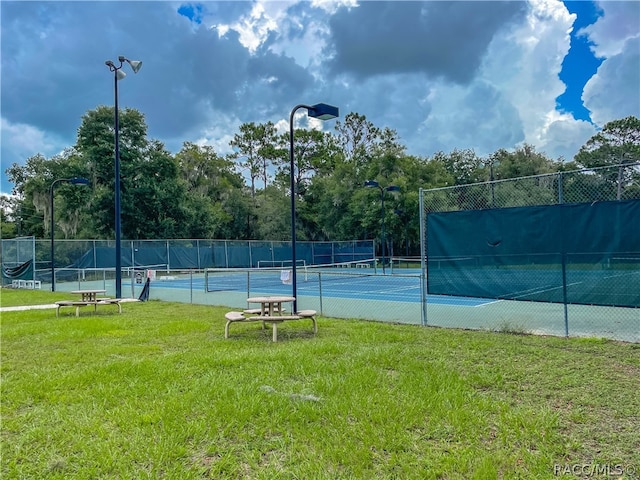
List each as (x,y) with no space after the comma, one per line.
(580,64)
(443,74)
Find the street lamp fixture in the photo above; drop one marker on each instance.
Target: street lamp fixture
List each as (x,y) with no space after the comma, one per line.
(118,74)
(390,188)
(73,181)
(320,111)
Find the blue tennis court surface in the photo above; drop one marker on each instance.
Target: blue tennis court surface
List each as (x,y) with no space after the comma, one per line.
(393,288)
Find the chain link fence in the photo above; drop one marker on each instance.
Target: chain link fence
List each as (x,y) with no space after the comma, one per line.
(591,292)
(554,254)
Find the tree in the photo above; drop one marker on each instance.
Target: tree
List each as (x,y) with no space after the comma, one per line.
(7,218)
(210,182)
(617,144)
(314,153)
(357,138)
(30,188)
(522,162)
(154,197)
(95,147)
(259,145)
(241,210)
(96,138)
(273,217)
(205,172)
(463,165)
(32,183)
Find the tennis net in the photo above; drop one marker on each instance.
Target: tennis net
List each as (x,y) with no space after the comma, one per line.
(251,279)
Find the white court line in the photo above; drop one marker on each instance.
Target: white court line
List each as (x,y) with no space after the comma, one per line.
(489,303)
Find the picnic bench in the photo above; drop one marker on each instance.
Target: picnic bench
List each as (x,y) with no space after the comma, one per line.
(85,303)
(274,320)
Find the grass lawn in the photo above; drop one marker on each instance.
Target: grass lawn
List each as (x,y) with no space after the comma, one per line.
(158,393)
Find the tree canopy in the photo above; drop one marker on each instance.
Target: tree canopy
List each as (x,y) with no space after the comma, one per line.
(198,193)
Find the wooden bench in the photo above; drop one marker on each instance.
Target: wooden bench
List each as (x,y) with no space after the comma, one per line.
(110,301)
(80,303)
(274,320)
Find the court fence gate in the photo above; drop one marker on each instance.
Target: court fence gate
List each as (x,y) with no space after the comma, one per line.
(555,254)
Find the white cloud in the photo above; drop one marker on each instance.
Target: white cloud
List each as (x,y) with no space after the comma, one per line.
(443,74)
(331,6)
(620,22)
(614,92)
(562,135)
(21,141)
(513,98)
(255,27)
(524,65)
(24,137)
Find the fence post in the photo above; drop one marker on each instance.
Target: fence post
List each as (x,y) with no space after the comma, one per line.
(619,193)
(560,187)
(168,257)
(198,247)
(563,253)
(423,260)
(320,289)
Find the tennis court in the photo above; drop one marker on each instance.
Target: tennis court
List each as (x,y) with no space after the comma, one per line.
(368,294)
(340,282)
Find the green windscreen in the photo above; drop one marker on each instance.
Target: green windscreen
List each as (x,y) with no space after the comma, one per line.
(23,271)
(574,253)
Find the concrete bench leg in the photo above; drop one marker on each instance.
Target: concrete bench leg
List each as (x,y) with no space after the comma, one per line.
(312,315)
(274,326)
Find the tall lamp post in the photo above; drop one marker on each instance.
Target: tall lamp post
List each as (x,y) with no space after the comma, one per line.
(73,181)
(321,111)
(118,74)
(390,188)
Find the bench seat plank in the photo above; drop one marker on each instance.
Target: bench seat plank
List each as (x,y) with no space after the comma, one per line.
(257,311)
(80,303)
(274,320)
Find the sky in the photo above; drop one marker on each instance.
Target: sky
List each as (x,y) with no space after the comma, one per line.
(444,75)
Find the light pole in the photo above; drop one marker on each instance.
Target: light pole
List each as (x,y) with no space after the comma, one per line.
(74,181)
(118,74)
(390,188)
(321,111)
